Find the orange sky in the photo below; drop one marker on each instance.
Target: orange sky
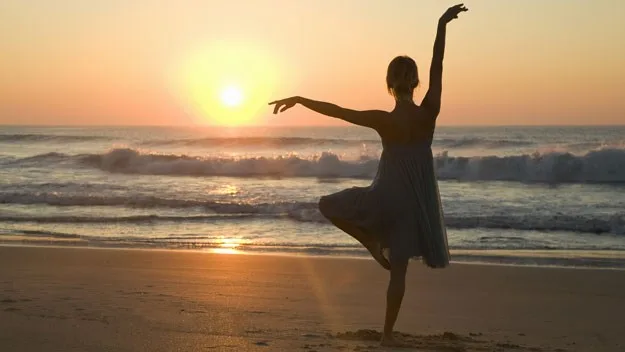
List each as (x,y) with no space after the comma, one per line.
(148,62)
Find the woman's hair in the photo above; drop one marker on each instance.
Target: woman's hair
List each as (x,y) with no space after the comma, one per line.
(402,77)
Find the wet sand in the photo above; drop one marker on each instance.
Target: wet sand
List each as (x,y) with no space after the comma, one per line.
(77,299)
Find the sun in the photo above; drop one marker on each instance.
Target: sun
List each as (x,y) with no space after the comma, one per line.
(231,96)
(226,83)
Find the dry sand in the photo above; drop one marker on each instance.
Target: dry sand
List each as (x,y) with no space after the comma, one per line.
(71,299)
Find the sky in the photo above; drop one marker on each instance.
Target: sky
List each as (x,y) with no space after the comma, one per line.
(184,62)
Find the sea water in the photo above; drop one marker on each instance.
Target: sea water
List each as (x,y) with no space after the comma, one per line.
(518,195)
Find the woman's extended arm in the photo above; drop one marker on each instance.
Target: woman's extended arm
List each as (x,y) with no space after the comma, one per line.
(375,119)
(432,100)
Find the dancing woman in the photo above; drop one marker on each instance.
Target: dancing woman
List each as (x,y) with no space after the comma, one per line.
(399,216)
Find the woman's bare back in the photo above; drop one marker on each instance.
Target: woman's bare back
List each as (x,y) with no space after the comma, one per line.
(408,124)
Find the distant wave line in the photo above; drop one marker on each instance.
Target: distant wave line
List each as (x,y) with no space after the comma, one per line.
(307,212)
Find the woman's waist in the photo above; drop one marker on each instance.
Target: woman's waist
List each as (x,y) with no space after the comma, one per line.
(397,167)
(410,145)
(416,149)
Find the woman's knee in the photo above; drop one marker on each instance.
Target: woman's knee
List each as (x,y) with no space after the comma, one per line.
(399,267)
(324,205)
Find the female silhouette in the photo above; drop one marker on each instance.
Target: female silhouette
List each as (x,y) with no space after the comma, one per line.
(399,216)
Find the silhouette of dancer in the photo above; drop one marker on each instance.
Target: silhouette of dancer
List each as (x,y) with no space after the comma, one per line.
(399,216)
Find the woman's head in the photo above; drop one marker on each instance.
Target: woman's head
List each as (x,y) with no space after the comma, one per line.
(402,77)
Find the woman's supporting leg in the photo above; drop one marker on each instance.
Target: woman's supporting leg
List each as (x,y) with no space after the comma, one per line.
(394,296)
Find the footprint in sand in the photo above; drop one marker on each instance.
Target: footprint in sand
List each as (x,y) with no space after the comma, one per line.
(311,336)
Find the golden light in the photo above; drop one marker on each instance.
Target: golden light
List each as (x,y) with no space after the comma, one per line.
(226,83)
(230,243)
(232,96)
(228,246)
(227,189)
(224,251)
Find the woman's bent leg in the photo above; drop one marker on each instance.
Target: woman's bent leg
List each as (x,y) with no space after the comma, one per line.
(394,297)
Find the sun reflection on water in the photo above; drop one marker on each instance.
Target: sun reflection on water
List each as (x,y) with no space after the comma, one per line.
(225,250)
(228,190)
(228,245)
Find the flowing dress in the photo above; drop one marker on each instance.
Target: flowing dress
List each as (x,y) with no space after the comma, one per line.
(401,211)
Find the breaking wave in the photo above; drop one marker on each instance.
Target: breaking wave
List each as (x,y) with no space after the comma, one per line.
(599,166)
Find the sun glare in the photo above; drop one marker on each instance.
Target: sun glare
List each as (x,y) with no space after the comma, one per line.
(228,246)
(231,96)
(227,84)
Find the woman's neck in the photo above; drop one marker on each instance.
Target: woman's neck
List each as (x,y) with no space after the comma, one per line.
(399,103)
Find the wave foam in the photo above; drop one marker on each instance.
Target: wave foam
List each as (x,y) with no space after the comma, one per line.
(326,165)
(599,166)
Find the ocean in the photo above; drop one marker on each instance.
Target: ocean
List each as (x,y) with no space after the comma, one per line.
(549,196)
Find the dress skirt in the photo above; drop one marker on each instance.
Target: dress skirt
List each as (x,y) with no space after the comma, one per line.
(400,213)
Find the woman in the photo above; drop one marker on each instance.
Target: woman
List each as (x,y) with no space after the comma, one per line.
(399,216)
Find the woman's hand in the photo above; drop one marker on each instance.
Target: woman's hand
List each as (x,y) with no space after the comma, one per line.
(283,105)
(452,13)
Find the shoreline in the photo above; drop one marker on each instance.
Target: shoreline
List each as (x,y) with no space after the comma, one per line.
(512,258)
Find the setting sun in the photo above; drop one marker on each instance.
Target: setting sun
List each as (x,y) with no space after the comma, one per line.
(231,96)
(226,84)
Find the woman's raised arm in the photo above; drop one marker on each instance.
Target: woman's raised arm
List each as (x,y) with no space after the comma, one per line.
(432,100)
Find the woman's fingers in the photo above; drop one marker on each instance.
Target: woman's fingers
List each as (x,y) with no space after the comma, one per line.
(277,104)
(279,101)
(459,8)
(282,105)
(277,107)
(453,11)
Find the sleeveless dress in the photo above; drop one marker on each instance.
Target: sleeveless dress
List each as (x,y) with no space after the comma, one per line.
(400,213)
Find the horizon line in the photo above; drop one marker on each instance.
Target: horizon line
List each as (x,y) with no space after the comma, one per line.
(293,126)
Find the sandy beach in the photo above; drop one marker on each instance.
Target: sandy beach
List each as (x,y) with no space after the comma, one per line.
(78,299)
